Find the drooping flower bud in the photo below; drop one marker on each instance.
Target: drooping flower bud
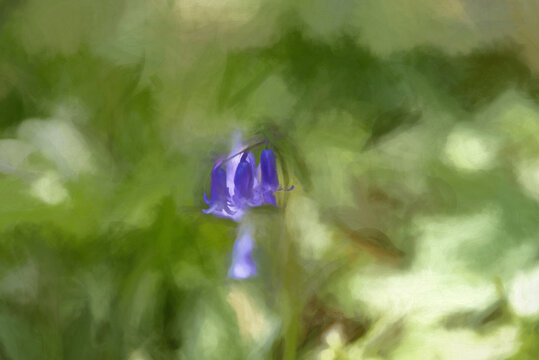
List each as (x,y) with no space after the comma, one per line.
(268,176)
(243,266)
(219,193)
(246,187)
(243,179)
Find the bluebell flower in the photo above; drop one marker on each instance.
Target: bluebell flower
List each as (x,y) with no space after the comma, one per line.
(269,180)
(268,176)
(237,185)
(219,194)
(243,266)
(246,187)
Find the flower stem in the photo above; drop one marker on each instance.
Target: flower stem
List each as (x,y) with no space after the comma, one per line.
(292,296)
(244,150)
(291,337)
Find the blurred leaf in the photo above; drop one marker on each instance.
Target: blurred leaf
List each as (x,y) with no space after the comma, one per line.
(477,319)
(389,121)
(243,69)
(375,242)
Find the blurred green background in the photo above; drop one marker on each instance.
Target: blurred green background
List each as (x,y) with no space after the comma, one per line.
(410,129)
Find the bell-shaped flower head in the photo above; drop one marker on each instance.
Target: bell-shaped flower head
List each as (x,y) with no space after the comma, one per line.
(219,201)
(243,179)
(243,266)
(238,184)
(246,187)
(269,181)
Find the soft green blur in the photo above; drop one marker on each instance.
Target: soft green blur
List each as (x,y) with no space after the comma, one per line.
(409,128)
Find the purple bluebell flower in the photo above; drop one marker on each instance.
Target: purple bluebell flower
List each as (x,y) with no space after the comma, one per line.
(243,180)
(246,187)
(219,201)
(237,185)
(243,266)
(268,176)
(269,180)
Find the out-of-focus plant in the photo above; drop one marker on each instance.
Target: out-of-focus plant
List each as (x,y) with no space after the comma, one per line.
(238,185)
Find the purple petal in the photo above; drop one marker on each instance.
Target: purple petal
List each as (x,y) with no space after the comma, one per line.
(232,164)
(268,170)
(243,265)
(243,180)
(219,190)
(220,198)
(211,210)
(206,200)
(270,198)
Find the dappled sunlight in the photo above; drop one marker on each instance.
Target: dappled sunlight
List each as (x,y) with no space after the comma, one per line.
(470,150)
(256,179)
(524,293)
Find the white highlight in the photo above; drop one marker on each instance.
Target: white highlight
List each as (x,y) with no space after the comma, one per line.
(524,293)
(49,189)
(61,142)
(469,150)
(528,177)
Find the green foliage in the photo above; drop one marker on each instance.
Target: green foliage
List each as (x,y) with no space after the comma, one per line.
(111,115)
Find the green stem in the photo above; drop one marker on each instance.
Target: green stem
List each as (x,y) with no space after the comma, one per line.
(291,338)
(292,293)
